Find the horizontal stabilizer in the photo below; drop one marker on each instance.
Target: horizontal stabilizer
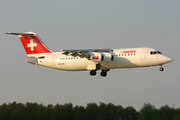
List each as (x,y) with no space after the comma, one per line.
(22,34)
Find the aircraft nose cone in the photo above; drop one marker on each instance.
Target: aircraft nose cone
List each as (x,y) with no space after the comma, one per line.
(168,59)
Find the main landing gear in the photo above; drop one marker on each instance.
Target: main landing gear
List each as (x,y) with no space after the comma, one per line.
(93,72)
(103,73)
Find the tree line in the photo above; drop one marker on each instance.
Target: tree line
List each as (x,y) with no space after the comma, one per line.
(92,111)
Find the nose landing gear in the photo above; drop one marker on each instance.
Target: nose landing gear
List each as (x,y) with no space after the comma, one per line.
(161,68)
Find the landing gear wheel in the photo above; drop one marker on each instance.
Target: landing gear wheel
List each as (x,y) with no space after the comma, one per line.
(93,72)
(161,69)
(103,74)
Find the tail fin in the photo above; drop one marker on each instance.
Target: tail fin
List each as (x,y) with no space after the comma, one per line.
(32,43)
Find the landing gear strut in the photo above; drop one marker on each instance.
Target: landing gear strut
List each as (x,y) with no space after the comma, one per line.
(93,72)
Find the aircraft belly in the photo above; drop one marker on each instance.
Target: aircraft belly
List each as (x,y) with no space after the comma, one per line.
(69,65)
(109,64)
(73,65)
(123,62)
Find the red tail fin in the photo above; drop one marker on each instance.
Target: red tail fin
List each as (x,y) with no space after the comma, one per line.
(32,43)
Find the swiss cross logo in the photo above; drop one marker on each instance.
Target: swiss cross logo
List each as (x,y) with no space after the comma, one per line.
(32,45)
(95,57)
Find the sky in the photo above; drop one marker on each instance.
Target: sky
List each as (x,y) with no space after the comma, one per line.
(83,24)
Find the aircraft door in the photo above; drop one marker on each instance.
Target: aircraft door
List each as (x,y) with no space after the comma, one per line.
(157,58)
(54,61)
(143,55)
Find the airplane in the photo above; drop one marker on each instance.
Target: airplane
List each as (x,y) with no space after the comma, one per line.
(89,59)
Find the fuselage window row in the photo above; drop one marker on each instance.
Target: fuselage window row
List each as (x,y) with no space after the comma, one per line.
(71,58)
(126,55)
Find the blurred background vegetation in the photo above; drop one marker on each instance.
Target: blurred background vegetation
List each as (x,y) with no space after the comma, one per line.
(34,111)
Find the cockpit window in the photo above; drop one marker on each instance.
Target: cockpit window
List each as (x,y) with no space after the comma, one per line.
(155,52)
(159,52)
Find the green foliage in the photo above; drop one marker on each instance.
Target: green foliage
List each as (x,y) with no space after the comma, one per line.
(110,112)
(130,113)
(177,115)
(149,112)
(34,111)
(166,112)
(79,113)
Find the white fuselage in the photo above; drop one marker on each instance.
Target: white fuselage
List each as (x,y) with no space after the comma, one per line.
(123,58)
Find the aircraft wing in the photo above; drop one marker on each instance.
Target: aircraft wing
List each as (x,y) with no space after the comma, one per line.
(83,52)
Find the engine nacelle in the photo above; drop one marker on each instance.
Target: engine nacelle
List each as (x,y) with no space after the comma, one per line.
(107,57)
(96,57)
(101,57)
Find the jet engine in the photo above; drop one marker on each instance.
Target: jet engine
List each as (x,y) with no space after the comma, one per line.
(107,57)
(96,57)
(101,57)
